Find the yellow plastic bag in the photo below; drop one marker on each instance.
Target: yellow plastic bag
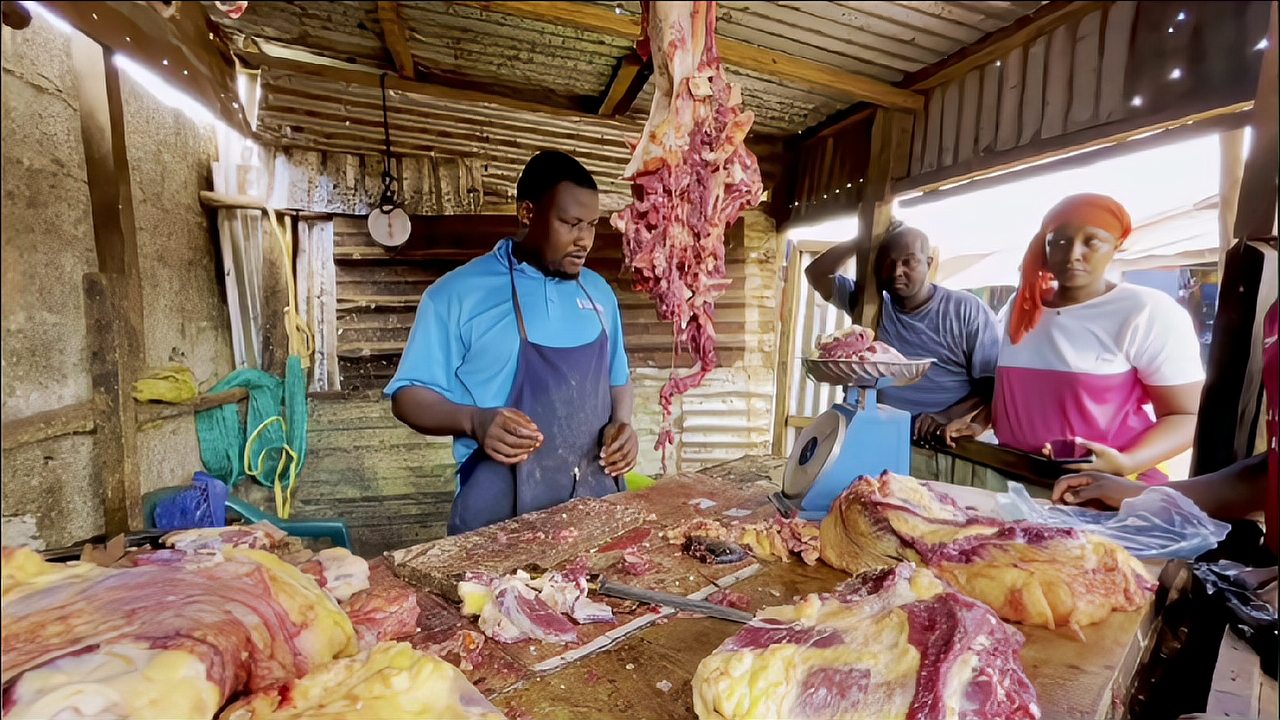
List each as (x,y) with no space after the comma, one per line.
(173,384)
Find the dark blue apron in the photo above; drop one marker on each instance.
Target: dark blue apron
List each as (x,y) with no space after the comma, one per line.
(565,391)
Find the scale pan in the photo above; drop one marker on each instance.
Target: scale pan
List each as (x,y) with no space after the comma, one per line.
(865,373)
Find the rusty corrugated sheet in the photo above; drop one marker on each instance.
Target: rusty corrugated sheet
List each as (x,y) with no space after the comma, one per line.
(304,111)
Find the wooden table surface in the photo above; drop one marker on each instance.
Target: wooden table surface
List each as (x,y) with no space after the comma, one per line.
(647,674)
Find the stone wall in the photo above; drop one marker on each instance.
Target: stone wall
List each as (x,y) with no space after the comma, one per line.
(48,245)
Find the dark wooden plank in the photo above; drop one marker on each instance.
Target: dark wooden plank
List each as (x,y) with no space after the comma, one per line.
(1057,81)
(1256,210)
(988,115)
(933,133)
(970,107)
(1084,73)
(950,123)
(1118,36)
(918,130)
(999,43)
(70,420)
(113,306)
(629,78)
(1012,71)
(1033,91)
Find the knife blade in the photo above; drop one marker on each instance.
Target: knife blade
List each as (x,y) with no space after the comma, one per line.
(653,597)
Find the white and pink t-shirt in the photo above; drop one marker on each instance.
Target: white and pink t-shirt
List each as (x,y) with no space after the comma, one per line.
(1085,369)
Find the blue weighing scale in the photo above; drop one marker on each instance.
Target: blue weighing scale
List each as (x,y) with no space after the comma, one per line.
(853,438)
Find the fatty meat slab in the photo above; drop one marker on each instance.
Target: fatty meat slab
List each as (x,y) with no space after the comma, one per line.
(120,642)
(892,644)
(1028,574)
(692,176)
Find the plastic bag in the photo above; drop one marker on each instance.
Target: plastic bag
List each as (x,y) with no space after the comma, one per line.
(204,504)
(1161,523)
(1249,596)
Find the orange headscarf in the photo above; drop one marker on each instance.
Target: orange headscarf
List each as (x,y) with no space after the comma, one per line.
(1088,209)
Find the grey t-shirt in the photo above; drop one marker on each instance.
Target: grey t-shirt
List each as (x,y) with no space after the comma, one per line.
(955,328)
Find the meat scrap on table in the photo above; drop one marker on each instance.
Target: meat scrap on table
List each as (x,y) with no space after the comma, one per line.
(1030,574)
(692,176)
(518,607)
(775,539)
(895,643)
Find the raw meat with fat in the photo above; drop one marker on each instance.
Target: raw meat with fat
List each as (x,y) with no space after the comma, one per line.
(896,644)
(692,176)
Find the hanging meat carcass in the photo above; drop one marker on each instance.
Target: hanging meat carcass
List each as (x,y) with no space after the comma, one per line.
(692,177)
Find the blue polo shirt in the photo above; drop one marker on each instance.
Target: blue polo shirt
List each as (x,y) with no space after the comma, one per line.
(465,339)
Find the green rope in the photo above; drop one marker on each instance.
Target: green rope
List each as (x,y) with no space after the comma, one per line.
(279,437)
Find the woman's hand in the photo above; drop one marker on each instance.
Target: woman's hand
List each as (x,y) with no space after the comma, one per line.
(1095,487)
(1106,459)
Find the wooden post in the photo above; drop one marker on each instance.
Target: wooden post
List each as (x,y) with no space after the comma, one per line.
(113,296)
(875,210)
(1256,212)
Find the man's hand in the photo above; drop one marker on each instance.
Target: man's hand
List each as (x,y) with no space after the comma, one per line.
(930,428)
(618,456)
(507,435)
(961,428)
(1095,487)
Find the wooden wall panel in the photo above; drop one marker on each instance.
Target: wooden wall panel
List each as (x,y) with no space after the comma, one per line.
(1121,68)
(378,293)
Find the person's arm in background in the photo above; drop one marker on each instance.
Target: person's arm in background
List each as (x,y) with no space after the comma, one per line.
(1231,493)
(982,348)
(421,387)
(621,445)
(822,272)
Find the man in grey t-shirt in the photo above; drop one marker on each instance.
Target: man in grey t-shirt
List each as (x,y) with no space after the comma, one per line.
(921,320)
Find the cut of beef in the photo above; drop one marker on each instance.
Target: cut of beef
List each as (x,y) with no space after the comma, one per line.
(692,177)
(896,644)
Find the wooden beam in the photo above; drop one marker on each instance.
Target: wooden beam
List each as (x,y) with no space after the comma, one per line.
(113,296)
(1256,209)
(629,79)
(875,210)
(69,420)
(791,294)
(150,412)
(788,68)
(186,50)
(396,39)
(997,44)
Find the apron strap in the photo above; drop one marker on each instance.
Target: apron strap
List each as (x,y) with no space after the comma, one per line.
(515,300)
(594,306)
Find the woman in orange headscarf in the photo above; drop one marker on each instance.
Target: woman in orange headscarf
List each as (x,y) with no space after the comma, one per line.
(1091,368)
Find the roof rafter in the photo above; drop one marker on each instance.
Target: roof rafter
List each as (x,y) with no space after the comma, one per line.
(396,39)
(818,76)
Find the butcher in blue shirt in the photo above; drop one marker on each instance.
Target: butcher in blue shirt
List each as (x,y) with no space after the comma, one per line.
(518,356)
(920,320)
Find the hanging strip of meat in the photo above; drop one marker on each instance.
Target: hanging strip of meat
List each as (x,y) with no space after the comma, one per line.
(692,177)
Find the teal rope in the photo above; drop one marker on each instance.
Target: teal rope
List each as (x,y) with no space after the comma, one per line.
(222,435)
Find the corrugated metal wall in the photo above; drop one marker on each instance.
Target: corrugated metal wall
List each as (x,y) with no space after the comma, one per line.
(378,293)
(1130,65)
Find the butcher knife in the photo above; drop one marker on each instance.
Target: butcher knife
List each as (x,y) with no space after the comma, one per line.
(652,597)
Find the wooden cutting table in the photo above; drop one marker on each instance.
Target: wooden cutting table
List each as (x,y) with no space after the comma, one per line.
(647,673)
